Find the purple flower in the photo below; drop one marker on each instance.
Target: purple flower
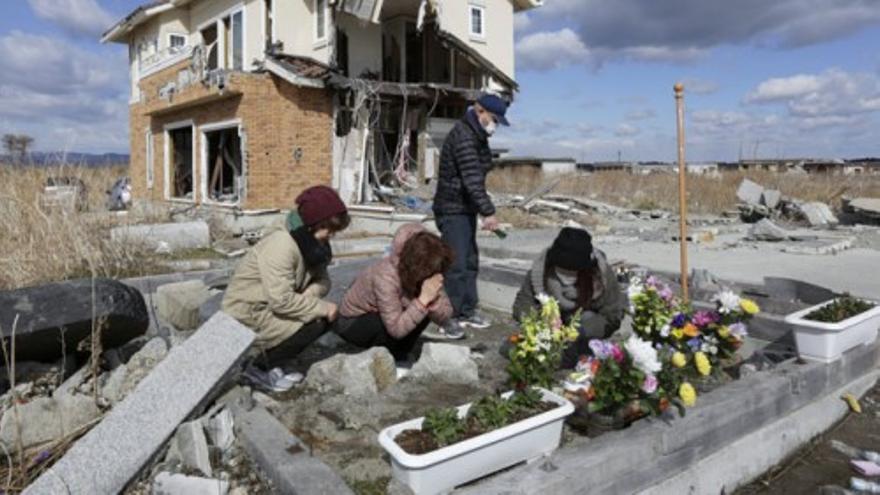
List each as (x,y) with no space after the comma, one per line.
(679,320)
(704,318)
(666,294)
(695,343)
(739,329)
(601,348)
(649,386)
(652,281)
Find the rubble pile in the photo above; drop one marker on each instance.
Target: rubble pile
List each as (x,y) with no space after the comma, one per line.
(757,203)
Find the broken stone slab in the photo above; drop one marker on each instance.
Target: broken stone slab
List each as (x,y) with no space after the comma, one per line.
(192,445)
(165,236)
(221,429)
(140,365)
(179,303)
(869,207)
(766,230)
(818,214)
(446,363)
(286,460)
(54,318)
(366,373)
(113,453)
(750,192)
(46,419)
(771,198)
(167,483)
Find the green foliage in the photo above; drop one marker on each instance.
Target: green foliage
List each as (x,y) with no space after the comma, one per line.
(443,425)
(616,385)
(525,399)
(841,309)
(539,345)
(491,412)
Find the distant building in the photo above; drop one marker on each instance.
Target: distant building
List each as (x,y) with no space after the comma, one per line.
(546,165)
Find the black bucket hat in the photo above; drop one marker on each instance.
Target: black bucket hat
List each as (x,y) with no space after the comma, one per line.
(572,250)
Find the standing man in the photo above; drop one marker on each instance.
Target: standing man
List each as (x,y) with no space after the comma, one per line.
(460,197)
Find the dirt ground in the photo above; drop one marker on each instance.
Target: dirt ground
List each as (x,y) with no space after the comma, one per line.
(817,464)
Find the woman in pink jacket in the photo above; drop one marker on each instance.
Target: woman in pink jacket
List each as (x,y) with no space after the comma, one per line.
(392,302)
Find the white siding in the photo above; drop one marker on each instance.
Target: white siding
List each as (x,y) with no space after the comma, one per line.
(364,45)
(497,45)
(295,27)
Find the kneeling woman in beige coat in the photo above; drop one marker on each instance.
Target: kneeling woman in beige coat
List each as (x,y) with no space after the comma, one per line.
(278,288)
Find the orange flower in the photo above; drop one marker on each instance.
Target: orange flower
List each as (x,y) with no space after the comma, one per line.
(514,338)
(591,394)
(594,366)
(664,404)
(691,330)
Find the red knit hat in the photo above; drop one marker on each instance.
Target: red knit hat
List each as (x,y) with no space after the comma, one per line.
(319,203)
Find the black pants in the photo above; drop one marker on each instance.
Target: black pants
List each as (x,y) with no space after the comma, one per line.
(368,331)
(460,232)
(288,349)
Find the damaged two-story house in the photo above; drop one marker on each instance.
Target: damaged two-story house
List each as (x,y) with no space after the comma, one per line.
(244,103)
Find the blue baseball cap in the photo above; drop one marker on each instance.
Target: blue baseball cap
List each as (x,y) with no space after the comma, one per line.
(496,106)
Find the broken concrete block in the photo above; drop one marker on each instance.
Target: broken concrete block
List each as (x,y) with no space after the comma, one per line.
(366,373)
(750,192)
(170,236)
(771,198)
(869,207)
(180,484)
(46,419)
(141,364)
(179,303)
(56,317)
(286,460)
(446,363)
(193,447)
(107,458)
(113,386)
(818,214)
(221,430)
(766,230)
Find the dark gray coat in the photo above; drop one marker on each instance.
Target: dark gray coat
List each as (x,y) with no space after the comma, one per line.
(464,163)
(609,301)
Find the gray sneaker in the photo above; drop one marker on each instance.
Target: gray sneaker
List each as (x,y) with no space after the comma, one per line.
(450,330)
(475,321)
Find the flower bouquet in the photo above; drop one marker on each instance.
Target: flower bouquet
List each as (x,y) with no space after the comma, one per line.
(694,342)
(538,347)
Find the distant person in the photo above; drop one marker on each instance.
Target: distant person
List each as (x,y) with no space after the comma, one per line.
(279,286)
(461,196)
(392,302)
(578,276)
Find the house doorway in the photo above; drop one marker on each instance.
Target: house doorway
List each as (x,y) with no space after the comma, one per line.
(223,164)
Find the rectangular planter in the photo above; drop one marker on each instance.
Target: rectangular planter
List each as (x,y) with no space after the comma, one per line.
(826,342)
(443,469)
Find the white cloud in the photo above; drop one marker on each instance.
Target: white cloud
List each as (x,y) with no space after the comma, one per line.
(784,88)
(78,17)
(551,49)
(521,22)
(833,93)
(626,130)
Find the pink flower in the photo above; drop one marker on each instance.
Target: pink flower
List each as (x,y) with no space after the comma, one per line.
(704,318)
(557,324)
(649,386)
(617,353)
(666,294)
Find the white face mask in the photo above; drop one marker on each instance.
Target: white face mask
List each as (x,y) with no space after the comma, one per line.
(490,129)
(567,277)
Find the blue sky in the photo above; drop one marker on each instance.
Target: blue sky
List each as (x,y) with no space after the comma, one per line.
(772,79)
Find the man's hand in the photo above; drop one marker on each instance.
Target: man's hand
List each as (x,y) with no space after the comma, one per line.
(490,223)
(431,288)
(332,311)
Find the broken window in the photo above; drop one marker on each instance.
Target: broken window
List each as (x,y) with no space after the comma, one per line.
(467,75)
(414,69)
(439,70)
(212,48)
(224,165)
(180,150)
(234,40)
(342,52)
(478,21)
(176,42)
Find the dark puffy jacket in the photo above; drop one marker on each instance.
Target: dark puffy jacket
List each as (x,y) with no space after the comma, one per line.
(464,163)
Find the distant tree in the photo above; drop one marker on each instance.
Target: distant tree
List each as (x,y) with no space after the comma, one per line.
(17,146)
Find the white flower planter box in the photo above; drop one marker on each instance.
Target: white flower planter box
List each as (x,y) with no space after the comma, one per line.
(826,342)
(443,469)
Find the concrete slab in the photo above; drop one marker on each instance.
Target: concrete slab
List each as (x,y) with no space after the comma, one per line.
(170,236)
(284,458)
(750,192)
(113,453)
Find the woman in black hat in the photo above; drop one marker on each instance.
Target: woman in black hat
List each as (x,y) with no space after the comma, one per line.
(580,278)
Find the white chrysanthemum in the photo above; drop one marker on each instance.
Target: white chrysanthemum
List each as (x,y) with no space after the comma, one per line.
(727,300)
(635,288)
(664,331)
(643,354)
(543,298)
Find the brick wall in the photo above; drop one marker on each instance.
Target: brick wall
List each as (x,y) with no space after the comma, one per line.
(276,118)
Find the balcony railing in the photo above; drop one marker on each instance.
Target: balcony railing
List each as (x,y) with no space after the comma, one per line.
(163,58)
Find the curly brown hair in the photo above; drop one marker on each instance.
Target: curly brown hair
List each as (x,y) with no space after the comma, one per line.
(422,256)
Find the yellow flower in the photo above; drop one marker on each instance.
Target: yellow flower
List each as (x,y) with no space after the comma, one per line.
(679,360)
(688,394)
(702,362)
(723,332)
(677,333)
(749,306)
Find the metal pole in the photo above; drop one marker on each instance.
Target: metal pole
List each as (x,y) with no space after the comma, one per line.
(682,190)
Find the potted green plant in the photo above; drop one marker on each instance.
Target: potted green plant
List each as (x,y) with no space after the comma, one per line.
(825,331)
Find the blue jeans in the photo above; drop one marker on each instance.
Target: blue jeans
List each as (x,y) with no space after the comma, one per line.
(460,282)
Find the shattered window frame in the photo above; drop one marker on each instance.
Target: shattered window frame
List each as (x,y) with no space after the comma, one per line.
(205,169)
(167,165)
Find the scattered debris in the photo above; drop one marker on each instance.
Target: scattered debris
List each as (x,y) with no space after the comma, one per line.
(818,214)
(865,210)
(750,192)
(165,236)
(766,230)
(45,419)
(191,444)
(70,194)
(119,195)
(180,484)
(51,320)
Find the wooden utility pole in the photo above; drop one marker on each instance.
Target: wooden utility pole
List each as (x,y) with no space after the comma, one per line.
(682,190)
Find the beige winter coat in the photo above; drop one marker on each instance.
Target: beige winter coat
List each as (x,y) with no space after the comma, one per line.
(273,292)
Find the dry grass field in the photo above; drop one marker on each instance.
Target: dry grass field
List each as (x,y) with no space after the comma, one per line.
(706,194)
